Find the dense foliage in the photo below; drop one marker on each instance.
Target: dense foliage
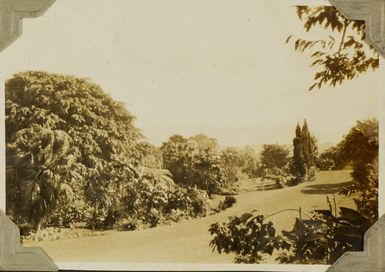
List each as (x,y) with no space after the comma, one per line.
(41,171)
(250,162)
(45,114)
(154,198)
(274,155)
(232,163)
(323,236)
(70,145)
(248,236)
(75,156)
(192,166)
(360,149)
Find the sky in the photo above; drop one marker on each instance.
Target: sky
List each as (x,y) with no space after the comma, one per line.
(216,67)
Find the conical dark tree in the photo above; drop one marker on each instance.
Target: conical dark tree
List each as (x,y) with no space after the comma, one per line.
(298,163)
(309,147)
(304,154)
(305,135)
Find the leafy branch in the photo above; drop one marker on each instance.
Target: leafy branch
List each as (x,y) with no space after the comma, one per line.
(337,62)
(321,238)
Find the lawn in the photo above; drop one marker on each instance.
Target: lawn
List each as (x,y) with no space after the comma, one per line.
(188,242)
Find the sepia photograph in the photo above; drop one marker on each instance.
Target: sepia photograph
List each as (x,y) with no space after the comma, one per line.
(191,132)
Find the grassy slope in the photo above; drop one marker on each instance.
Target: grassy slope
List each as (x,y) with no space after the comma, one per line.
(188,241)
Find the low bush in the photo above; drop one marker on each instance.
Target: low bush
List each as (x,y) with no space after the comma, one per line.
(54,233)
(228,202)
(74,212)
(25,229)
(127,224)
(155,199)
(149,200)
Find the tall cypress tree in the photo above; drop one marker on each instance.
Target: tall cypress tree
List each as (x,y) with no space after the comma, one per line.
(304,153)
(305,139)
(298,166)
(309,147)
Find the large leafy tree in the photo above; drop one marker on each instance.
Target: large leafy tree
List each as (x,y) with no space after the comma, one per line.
(274,163)
(360,149)
(192,165)
(274,155)
(60,130)
(343,54)
(232,161)
(250,161)
(177,153)
(207,173)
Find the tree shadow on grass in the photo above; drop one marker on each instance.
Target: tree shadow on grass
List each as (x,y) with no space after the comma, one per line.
(325,189)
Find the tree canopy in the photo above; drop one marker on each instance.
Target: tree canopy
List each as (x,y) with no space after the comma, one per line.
(274,164)
(74,153)
(58,126)
(192,164)
(360,148)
